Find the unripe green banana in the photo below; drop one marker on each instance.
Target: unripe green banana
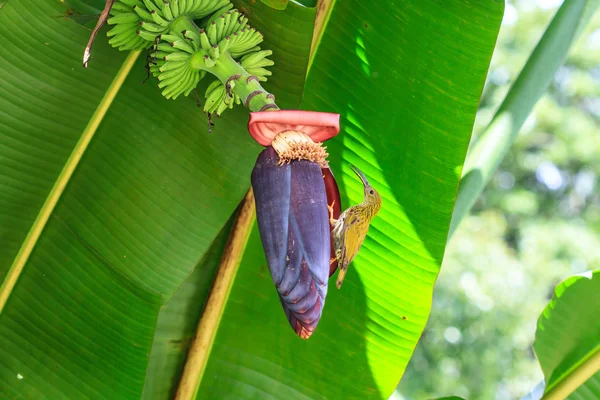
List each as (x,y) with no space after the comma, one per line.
(244,42)
(173,81)
(257,59)
(224,45)
(242,21)
(178,56)
(174,89)
(215,97)
(146,35)
(132,3)
(222,107)
(207,7)
(226,22)
(150,6)
(193,86)
(191,35)
(183,45)
(260,73)
(204,42)
(171,38)
(171,65)
(159,19)
(150,27)
(121,7)
(265,62)
(212,87)
(169,74)
(167,11)
(219,12)
(214,52)
(166,47)
(123,18)
(142,12)
(122,28)
(209,62)
(175,8)
(161,55)
(120,40)
(190,81)
(211,32)
(193,82)
(218,100)
(220,24)
(183,6)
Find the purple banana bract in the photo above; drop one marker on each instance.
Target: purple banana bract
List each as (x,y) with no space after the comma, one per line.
(292,193)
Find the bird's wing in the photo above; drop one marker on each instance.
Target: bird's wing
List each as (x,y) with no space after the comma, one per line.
(352,238)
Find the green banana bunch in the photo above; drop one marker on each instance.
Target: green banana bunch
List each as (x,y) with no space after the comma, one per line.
(182,53)
(170,63)
(139,22)
(255,62)
(218,100)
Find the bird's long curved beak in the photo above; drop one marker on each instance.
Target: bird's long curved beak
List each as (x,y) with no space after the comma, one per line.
(362,176)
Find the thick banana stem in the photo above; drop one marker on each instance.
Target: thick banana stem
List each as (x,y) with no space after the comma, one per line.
(238,81)
(215,305)
(184,24)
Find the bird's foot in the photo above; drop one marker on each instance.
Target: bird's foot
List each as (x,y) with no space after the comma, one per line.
(332,221)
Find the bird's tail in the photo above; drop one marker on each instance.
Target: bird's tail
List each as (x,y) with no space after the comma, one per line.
(340,277)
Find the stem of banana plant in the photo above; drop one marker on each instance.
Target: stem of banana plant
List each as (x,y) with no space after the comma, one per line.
(206,331)
(238,81)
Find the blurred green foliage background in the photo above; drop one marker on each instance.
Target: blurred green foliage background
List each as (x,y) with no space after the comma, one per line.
(536,223)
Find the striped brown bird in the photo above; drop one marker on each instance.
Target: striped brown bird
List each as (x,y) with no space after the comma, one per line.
(350,229)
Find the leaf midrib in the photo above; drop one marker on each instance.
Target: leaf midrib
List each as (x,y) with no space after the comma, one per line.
(63,179)
(575,376)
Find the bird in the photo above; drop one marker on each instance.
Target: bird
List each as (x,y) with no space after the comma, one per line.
(350,229)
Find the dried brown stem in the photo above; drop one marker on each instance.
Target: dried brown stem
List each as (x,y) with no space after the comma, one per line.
(103,17)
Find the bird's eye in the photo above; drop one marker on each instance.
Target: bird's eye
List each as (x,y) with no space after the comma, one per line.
(371,191)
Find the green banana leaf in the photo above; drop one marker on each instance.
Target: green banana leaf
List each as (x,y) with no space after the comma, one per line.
(276,4)
(84,7)
(567,341)
(111,292)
